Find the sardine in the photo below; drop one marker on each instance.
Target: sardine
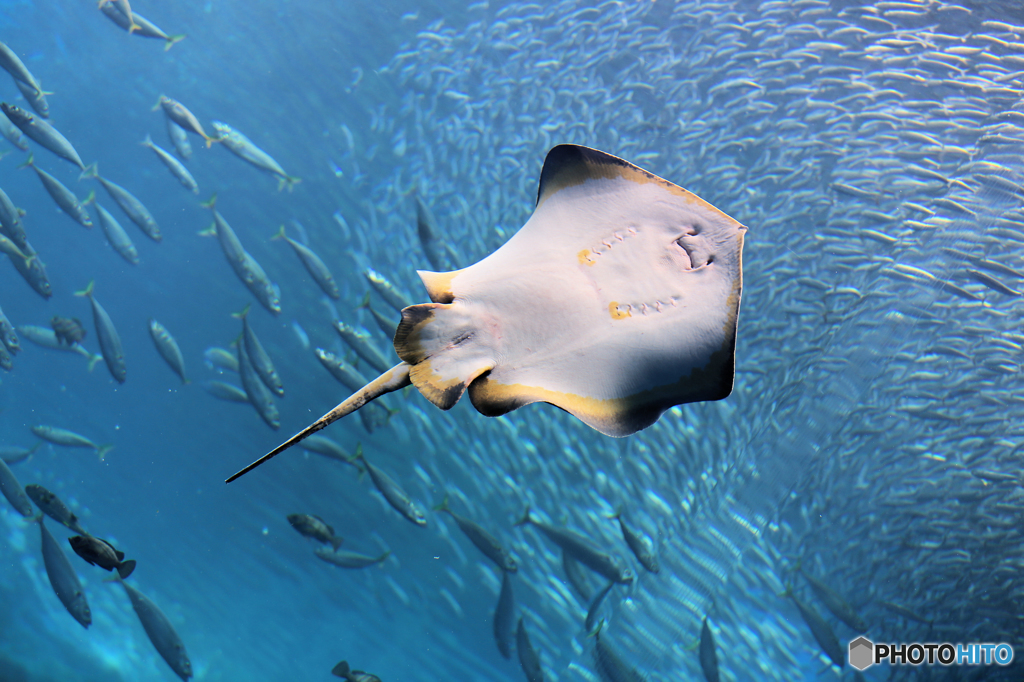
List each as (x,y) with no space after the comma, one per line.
(313,264)
(638,544)
(504,616)
(360,342)
(132,207)
(242,147)
(160,631)
(63,578)
(258,356)
(177,112)
(62,196)
(168,348)
(115,234)
(481,539)
(391,491)
(225,391)
(259,395)
(176,167)
(68,439)
(582,550)
(529,659)
(139,25)
(349,559)
(12,490)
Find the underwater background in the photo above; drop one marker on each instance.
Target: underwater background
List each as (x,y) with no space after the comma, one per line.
(872,439)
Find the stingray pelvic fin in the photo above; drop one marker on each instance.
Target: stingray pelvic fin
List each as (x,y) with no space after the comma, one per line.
(446,348)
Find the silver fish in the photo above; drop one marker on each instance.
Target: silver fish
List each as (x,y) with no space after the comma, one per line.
(132,207)
(225,391)
(69,439)
(313,264)
(504,616)
(242,147)
(139,25)
(179,138)
(63,578)
(110,341)
(54,507)
(116,236)
(528,657)
(61,195)
(582,550)
(259,395)
(258,356)
(391,491)
(42,133)
(176,167)
(160,631)
(349,559)
(12,490)
(168,348)
(359,341)
(481,539)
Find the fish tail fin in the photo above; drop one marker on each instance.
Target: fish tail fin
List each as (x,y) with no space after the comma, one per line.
(788,592)
(241,315)
(336,542)
(90,171)
(31,158)
(103,450)
(354,458)
(341,670)
(38,518)
(134,27)
(443,506)
(35,447)
(159,104)
(91,199)
(617,514)
(365,305)
(210,203)
(87,292)
(148,142)
(288,181)
(125,568)
(383,557)
(395,378)
(114,579)
(280,234)
(93,360)
(210,231)
(526,518)
(211,140)
(173,40)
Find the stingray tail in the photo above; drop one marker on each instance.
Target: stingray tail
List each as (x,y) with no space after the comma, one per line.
(443,345)
(395,378)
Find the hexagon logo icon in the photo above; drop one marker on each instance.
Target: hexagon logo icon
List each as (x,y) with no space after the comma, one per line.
(862,653)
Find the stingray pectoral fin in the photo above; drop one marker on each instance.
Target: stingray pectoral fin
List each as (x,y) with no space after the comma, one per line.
(392,380)
(447,347)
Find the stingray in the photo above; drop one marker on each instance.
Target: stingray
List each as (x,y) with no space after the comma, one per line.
(618,299)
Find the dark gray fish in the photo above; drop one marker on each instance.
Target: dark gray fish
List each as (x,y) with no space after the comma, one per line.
(528,657)
(12,490)
(110,342)
(225,391)
(484,541)
(504,616)
(582,550)
(258,356)
(343,670)
(68,330)
(12,134)
(61,195)
(42,133)
(609,665)
(903,611)
(838,606)
(160,631)
(242,147)
(391,491)
(432,248)
(35,97)
(349,559)
(63,578)
(69,439)
(362,344)
(388,291)
(638,544)
(316,528)
(33,271)
(101,553)
(168,348)
(259,395)
(176,112)
(128,202)
(384,323)
(176,167)
(54,507)
(179,138)
(12,64)
(142,26)
(821,631)
(708,655)
(12,454)
(8,335)
(116,235)
(590,622)
(313,264)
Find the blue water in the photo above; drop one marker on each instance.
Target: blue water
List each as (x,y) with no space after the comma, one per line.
(848,445)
